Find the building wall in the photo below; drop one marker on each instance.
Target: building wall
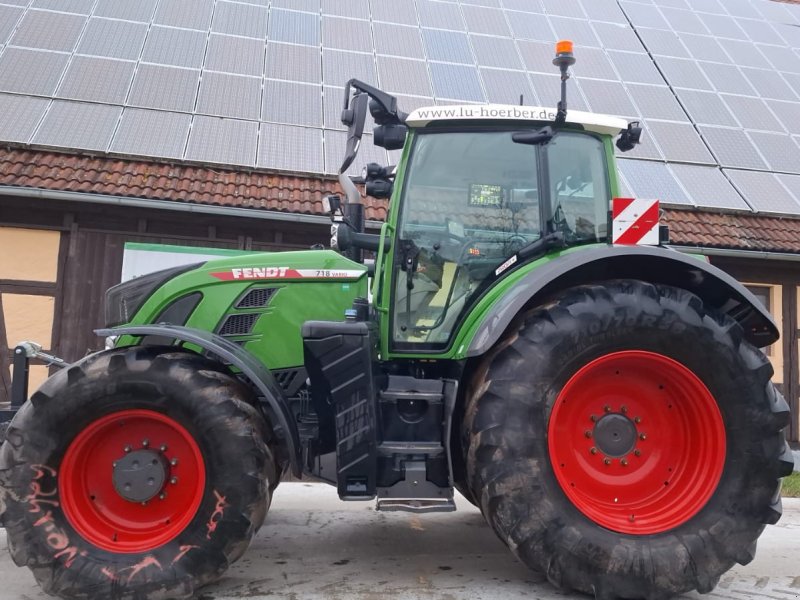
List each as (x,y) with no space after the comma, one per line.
(781,280)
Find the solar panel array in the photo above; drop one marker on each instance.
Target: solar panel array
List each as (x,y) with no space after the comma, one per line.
(259,83)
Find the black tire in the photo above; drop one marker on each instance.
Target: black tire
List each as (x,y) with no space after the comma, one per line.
(208,403)
(511,473)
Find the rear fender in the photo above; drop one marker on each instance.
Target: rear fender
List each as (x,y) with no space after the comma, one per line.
(653,265)
(269,392)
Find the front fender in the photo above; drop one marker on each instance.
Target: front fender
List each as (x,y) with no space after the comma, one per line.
(229,353)
(654,265)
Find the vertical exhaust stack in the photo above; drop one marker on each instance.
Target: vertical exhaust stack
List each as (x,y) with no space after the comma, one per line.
(564,60)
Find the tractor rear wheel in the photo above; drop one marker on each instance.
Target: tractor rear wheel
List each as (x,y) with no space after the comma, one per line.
(627,442)
(139,472)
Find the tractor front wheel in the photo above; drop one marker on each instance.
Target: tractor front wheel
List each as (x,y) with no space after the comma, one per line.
(626,441)
(136,473)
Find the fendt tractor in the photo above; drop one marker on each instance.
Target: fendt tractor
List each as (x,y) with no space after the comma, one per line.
(605,405)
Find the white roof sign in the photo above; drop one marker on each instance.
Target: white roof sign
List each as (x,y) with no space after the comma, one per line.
(507,112)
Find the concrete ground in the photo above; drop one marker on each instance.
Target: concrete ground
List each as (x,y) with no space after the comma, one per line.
(314,547)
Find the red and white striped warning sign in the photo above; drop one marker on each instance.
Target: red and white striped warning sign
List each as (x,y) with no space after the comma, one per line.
(634,221)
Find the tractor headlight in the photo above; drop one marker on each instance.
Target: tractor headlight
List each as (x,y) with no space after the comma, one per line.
(125,299)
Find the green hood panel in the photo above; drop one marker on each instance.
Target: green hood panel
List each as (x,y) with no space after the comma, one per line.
(305,285)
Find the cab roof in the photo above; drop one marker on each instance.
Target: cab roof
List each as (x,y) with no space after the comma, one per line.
(604,124)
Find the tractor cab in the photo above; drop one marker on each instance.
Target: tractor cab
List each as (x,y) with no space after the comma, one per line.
(480,191)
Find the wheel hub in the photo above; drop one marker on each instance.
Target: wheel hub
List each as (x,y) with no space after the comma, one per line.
(615,435)
(140,475)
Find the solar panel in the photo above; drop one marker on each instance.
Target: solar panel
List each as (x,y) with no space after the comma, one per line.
(293,63)
(728,70)
(9,16)
(404,76)
(27,113)
(656,102)
(36,72)
(764,191)
(175,47)
(166,88)
(290,148)
(192,14)
(346,34)
(685,73)
(294,27)
(636,68)
(112,38)
(604,10)
(248,20)
(227,141)
(231,54)
(480,19)
(440,14)
(396,11)
(708,186)
(752,113)
(141,10)
(398,40)
(456,82)
(608,97)
(97,80)
(530,26)
(564,8)
(652,180)
(78,125)
(791,183)
(292,103)
(505,87)
(706,108)
(356,9)
(47,30)
(151,133)
(732,148)
(226,95)
(495,52)
(662,43)
(679,142)
(448,46)
(780,151)
(82,7)
(338,67)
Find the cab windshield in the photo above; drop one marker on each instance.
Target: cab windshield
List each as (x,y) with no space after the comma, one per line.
(472,200)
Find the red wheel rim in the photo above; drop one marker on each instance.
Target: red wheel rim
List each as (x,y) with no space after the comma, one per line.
(663,476)
(94,507)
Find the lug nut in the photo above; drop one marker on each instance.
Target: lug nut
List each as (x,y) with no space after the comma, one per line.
(593,450)
(162,495)
(174,462)
(637,452)
(588,433)
(173,480)
(114,465)
(643,436)
(144,503)
(607,408)
(145,442)
(607,461)
(163,448)
(593,419)
(637,419)
(624,462)
(128,449)
(623,409)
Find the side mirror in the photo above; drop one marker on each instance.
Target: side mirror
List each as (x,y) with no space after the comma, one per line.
(353,116)
(630,137)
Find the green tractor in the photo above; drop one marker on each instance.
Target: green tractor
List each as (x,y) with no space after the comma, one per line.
(605,405)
